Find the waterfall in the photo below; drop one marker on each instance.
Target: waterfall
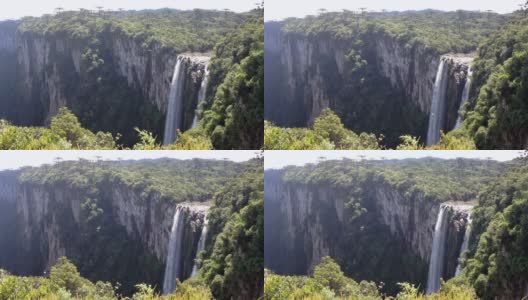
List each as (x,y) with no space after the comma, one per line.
(436,263)
(200,248)
(464,246)
(173,263)
(465,96)
(173,121)
(438,105)
(201,95)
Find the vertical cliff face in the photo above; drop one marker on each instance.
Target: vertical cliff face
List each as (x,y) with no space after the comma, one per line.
(306,222)
(300,232)
(410,218)
(8,70)
(8,250)
(307,74)
(7,36)
(296,80)
(50,222)
(151,70)
(56,71)
(411,69)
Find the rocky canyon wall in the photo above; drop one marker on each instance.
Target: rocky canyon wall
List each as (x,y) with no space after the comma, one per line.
(54,71)
(313,222)
(307,74)
(50,221)
(8,70)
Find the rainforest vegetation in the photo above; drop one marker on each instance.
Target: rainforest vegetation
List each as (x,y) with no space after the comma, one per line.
(232,261)
(66,133)
(329,282)
(329,133)
(233,116)
(103,100)
(435,178)
(493,266)
(497,115)
(494,117)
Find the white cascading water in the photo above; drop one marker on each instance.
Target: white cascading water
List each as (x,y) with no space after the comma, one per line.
(201,95)
(438,105)
(173,263)
(200,248)
(436,263)
(464,246)
(465,97)
(175,108)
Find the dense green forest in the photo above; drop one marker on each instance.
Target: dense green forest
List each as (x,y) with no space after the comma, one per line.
(65,282)
(232,262)
(329,133)
(66,133)
(102,99)
(437,179)
(494,117)
(497,113)
(173,180)
(233,266)
(494,266)
(329,282)
(440,32)
(233,115)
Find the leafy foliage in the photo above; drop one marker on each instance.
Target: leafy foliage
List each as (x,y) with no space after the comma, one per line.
(438,31)
(497,116)
(437,179)
(65,283)
(327,282)
(497,264)
(452,290)
(65,132)
(236,220)
(328,134)
(96,183)
(104,100)
(234,262)
(196,30)
(233,110)
(172,180)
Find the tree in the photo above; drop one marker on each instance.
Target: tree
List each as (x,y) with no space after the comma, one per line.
(64,274)
(363,11)
(329,274)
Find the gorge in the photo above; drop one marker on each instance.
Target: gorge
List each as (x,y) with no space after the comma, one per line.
(118,72)
(375,226)
(102,208)
(376,77)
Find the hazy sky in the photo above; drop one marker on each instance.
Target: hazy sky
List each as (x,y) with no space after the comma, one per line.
(17,159)
(280,9)
(280,159)
(20,8)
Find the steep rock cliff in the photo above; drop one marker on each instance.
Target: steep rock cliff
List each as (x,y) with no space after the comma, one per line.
(50,222)
(57,70)
(8,70)
(306,74)
(313,222)
(7,36)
